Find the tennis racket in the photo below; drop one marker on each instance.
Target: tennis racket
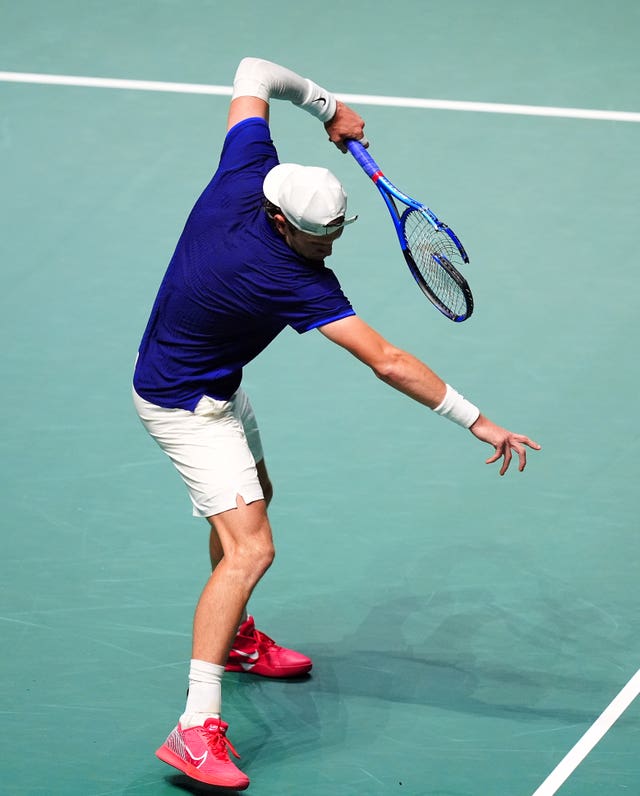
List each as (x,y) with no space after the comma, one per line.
(431,249)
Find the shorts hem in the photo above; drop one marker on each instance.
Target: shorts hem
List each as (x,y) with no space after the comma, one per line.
(227,502)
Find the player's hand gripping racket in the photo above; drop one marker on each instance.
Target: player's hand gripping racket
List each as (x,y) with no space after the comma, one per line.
(431,249)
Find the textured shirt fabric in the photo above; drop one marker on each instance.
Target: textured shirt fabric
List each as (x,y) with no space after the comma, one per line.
(232,285)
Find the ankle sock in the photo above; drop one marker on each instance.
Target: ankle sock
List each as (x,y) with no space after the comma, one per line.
(204,698)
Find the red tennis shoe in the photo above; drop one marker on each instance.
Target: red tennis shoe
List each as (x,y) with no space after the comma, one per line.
(253,651)
(202,753)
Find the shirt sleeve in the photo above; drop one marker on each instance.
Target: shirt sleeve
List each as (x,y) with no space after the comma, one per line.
(247,155)
(317,300)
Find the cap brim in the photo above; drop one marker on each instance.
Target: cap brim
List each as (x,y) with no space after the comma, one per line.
(320,230)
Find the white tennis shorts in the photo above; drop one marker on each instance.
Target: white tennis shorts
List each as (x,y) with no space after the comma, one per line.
(214,448)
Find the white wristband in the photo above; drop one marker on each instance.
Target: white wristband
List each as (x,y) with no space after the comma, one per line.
(256,77)
(455,407)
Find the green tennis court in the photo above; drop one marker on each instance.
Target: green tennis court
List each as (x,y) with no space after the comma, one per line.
(466,630)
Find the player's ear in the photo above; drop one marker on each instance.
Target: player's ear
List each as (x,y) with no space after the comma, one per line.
(280,222)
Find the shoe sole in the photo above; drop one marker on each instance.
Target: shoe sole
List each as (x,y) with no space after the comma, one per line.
(172,759)
(292,671)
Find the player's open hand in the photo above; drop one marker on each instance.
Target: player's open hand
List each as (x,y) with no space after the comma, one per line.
(505,443)
(345,124)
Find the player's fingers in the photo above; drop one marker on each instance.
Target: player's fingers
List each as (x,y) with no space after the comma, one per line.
(339,142)
(526,441)
(522,456)
(507,459)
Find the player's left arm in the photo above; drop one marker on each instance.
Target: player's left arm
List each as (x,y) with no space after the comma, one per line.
(247,107)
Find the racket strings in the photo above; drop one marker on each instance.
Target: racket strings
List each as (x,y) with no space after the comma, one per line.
(433,251)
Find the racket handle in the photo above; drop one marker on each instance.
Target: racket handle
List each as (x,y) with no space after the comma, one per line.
(363,158)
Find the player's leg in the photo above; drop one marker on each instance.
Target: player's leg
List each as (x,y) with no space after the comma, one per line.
(198,745)
(209,449)
(215,546)
(246,541)
(252,650)
(245,415)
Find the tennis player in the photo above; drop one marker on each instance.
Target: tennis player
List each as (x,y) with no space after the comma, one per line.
(249,263)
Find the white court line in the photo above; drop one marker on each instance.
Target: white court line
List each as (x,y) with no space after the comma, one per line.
(111,82)
(592,736)
(356,99)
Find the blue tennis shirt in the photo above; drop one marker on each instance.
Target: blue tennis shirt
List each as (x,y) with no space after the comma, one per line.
(232,285)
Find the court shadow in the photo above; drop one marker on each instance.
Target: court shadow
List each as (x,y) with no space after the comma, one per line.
(438,652)
(184,783)
(188,785)
(432,652)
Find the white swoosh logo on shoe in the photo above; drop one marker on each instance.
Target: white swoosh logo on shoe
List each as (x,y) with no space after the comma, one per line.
(195,761)
(253,656)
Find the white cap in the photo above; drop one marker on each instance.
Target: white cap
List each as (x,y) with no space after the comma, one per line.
(309,197)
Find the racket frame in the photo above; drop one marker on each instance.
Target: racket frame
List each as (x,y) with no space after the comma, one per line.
(389,193)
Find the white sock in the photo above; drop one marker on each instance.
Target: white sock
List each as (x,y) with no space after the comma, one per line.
(204,699)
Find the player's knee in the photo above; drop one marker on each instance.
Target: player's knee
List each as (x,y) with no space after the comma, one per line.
(255,556)
(267,559)
(265,555)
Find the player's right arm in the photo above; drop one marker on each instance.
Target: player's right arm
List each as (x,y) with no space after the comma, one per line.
(258,81)
(409,375)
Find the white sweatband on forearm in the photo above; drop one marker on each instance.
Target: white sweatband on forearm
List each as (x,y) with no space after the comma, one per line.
(455,407)
(263,79)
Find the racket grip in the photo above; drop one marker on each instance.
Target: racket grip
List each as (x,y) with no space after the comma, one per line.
(363,158)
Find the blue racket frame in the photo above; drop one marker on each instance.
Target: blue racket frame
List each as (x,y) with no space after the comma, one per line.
(389,191)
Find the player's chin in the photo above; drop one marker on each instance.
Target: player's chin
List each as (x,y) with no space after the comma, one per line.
(318,255)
